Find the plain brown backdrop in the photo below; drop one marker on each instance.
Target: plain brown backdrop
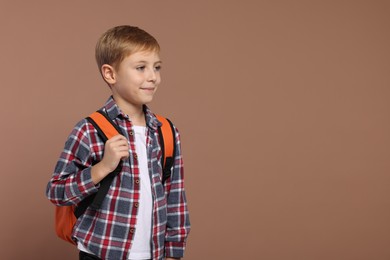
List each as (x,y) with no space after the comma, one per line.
(283,108)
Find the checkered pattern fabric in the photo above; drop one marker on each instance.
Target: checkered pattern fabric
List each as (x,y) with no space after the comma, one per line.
(108,232)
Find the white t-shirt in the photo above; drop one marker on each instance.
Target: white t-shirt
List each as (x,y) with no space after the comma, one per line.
(141,247)
(141,244)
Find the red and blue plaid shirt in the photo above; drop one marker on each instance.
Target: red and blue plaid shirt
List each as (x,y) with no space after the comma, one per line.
(108,232)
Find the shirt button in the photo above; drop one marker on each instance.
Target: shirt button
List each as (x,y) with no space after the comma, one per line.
(135,156)
(137,181)
(136,204)
(131,133)
(132,230)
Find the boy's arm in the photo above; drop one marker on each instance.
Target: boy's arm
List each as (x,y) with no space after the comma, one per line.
(178,223)
(71,180)
(74,177)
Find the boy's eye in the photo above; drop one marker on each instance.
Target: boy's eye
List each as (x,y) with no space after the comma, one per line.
(141,68)
(157,68)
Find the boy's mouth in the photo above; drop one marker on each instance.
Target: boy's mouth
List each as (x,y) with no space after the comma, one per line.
(148,89)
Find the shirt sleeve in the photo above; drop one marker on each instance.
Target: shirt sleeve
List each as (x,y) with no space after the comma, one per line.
(178,222)
(71,181)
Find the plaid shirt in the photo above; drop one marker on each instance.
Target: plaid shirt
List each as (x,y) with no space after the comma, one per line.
(108,232)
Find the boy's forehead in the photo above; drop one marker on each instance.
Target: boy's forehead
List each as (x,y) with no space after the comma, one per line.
(145,55)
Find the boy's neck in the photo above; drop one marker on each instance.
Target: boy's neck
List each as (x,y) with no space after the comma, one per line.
(135,113)
(137,118)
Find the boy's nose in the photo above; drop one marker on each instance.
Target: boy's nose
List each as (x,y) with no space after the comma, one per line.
(152,76)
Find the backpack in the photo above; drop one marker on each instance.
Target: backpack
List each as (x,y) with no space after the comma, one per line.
(66,216)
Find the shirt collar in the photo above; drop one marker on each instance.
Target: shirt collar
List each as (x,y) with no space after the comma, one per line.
(113,111)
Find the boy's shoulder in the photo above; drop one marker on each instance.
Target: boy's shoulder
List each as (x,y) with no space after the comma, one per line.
(82,129)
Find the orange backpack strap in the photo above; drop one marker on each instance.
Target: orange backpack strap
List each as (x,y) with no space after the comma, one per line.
(103,124)
(167,142)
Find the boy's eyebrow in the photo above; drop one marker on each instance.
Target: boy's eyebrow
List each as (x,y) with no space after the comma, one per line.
(144,61)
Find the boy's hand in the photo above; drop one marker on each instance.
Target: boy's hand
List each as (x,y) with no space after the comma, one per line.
(115,149)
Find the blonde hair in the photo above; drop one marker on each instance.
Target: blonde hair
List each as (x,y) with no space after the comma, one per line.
(119,42)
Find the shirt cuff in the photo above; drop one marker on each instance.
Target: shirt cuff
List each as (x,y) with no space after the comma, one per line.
(174,249)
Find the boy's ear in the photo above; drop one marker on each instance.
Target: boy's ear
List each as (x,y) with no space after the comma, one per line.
(108,73)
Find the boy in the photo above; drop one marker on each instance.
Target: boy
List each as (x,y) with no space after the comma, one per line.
(140,218)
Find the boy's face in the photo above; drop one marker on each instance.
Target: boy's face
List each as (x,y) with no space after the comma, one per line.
(136,79)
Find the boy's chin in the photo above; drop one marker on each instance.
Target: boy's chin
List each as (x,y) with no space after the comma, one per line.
(147,100)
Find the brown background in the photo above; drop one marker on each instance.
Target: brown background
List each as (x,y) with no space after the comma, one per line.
(283,108)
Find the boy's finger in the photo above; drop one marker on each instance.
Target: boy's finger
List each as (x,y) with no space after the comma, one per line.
(118,137)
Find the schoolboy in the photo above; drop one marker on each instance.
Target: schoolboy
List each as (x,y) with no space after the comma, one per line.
(140,218)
